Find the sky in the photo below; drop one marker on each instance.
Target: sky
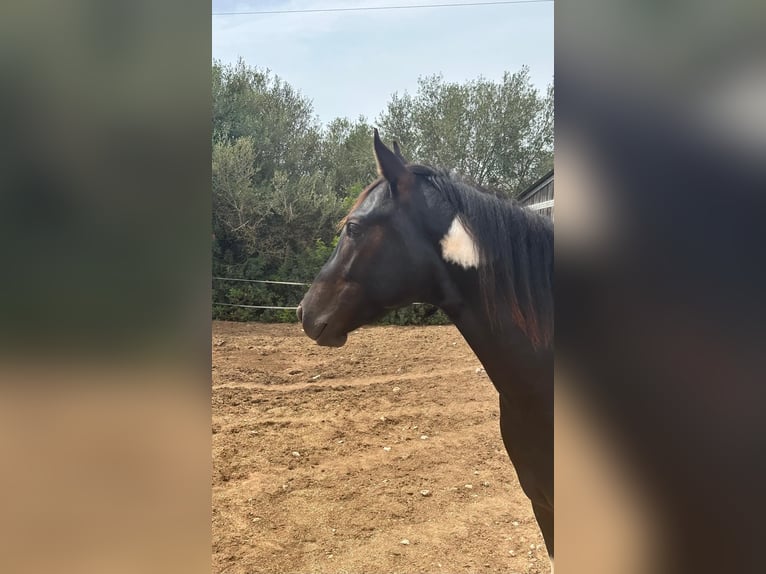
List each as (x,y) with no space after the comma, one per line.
(350,63)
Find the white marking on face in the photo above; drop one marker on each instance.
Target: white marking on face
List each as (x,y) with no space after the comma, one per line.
(458,246)
(551,565)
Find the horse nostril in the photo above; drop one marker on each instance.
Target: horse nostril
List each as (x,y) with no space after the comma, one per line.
(299,313)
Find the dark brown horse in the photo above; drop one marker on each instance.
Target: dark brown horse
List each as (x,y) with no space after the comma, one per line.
(419,234)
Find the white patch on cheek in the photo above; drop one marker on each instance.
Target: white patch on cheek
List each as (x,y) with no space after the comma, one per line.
(458,247)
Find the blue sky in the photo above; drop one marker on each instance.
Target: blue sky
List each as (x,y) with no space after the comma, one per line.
(349,63)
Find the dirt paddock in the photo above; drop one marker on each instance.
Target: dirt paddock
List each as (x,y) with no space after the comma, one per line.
(381,456)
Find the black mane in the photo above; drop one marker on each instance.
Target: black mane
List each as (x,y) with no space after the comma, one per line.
(516,249)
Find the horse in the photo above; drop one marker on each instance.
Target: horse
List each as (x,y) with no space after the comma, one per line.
(420,234)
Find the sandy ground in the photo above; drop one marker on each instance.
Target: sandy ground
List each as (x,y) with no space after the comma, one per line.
(381,456)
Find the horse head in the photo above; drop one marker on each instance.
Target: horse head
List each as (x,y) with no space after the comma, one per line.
(388,254)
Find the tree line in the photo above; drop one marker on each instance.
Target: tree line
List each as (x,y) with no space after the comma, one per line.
(281,180)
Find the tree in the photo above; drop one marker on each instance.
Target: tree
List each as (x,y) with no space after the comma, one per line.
(274,210)
(496,134)
(249,102)
(237,216)
(347,159)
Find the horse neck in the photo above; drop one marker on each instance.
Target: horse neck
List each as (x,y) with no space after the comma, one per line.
(513,364)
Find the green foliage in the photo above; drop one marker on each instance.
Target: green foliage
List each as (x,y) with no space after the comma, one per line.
(415,315)
(271,197)
(248,102)
(496,134)
(347,157)
(281,181)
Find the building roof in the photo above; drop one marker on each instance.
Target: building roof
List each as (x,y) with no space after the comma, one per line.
(535,186)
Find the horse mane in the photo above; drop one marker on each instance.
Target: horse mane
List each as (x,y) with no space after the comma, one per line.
(516,251)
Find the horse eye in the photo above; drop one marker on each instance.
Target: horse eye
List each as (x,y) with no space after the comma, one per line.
(353,229)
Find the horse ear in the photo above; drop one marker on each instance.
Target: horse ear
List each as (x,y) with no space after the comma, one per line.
(390,165)
(398,152)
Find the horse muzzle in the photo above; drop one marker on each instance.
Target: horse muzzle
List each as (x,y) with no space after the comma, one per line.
(320,330)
